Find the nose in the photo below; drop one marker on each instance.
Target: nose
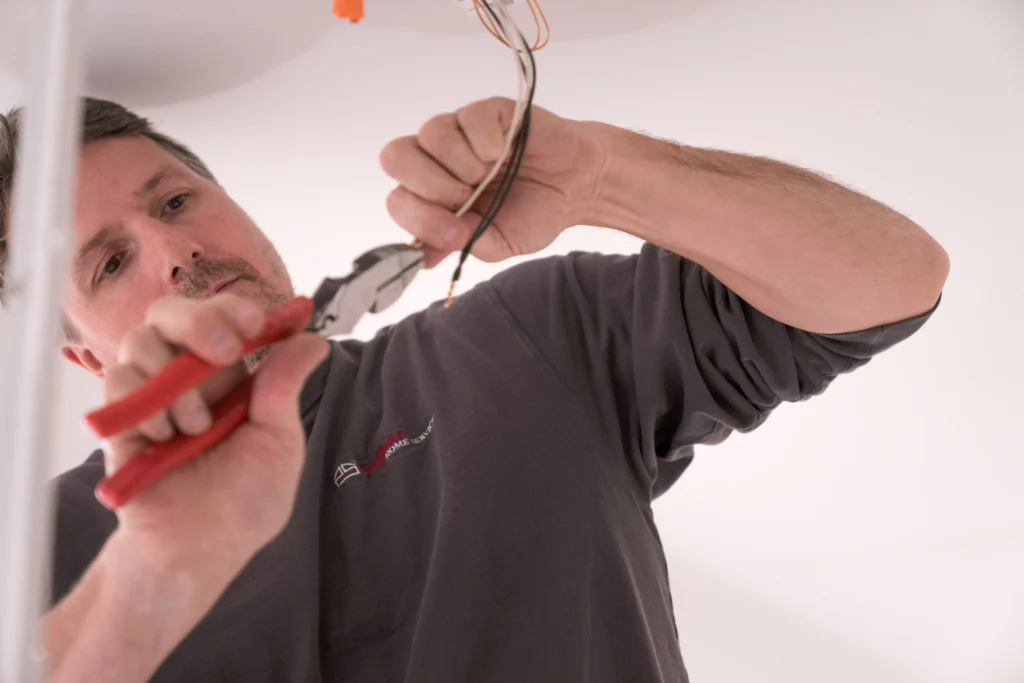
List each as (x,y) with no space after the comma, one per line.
(178,251)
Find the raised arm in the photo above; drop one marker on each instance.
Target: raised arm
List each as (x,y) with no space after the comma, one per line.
(795,245)
(759,282)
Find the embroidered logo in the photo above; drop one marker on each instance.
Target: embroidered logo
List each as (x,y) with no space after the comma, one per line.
(394,443)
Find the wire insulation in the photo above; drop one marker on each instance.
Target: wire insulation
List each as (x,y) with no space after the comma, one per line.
(543,35)
(516,140)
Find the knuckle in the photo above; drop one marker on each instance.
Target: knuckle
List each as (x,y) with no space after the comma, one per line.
(245,314)
(157,427)
(132,344)
(408,212)
(398,205)
(437,129)
(120,380)
(203,322)
(468,114)
(190,413)
(225,300)
(145,349)
(163,308)
(392,153)
(480,109)
(396,199)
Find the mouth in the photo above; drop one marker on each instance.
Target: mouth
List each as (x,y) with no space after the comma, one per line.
(223,285)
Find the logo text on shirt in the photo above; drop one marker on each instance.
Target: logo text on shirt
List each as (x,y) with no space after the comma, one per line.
(394,443)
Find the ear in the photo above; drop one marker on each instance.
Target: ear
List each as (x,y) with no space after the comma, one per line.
(82,357)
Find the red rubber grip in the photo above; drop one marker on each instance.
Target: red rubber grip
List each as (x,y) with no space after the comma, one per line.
(188,370)
(152,463)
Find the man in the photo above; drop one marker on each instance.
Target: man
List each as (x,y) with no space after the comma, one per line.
(466,497)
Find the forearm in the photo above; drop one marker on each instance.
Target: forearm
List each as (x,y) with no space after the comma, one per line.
(127,614)
(795,245)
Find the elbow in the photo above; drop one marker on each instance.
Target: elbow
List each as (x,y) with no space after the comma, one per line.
(928,276)
(936,270)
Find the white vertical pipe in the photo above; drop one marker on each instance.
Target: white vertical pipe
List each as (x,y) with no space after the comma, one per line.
(40,239)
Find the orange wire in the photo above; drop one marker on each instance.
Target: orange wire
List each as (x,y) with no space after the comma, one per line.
(488,22)
(536,23)
(547,28)
(534,5)
(451,296)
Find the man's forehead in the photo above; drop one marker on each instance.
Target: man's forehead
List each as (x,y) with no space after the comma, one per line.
(126,164)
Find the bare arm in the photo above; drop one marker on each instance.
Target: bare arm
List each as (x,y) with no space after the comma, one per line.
(797,246)
(129,611)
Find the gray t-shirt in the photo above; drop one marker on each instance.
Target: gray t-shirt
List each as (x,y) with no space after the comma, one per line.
(476,500)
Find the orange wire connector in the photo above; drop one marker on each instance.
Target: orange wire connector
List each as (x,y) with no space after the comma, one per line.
(349,9)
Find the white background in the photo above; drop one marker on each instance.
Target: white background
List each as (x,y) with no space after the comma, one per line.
(873,534)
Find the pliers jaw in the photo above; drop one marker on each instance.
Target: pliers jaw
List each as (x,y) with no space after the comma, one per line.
(378,278)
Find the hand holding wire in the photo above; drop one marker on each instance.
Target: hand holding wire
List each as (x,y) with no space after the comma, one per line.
(518,132)
(460,161)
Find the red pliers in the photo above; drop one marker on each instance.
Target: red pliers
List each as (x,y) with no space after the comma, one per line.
(377,279)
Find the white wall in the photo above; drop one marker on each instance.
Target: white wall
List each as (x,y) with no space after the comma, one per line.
(875,533)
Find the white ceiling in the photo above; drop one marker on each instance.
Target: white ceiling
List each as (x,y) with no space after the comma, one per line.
(154,53)
(873,534)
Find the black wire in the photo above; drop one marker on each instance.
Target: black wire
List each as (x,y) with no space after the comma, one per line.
(516,159)
(511,171)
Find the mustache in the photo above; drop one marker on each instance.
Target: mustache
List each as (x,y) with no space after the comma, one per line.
(195,283)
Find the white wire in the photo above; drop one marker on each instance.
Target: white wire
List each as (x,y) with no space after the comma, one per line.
(526,76)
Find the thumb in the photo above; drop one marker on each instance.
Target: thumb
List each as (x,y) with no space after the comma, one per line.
(278,382)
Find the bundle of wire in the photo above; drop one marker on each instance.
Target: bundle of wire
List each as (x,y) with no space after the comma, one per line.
(518,133)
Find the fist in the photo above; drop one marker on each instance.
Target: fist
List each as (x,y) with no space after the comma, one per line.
(229,502)
(438,169)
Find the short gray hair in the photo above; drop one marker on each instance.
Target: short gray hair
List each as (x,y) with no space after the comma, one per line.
(100,119)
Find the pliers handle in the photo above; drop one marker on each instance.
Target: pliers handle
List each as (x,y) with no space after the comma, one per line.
(378,278)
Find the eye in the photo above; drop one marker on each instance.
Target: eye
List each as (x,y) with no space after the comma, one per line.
(176,203)
(113,265)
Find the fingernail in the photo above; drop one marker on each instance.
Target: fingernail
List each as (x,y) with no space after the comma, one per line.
(224,344)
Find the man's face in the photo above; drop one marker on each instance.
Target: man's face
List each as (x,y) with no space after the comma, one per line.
(147,227)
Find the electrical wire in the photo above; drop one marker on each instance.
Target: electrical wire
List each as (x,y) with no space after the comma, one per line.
(518,133)
(527,76)
(538,18)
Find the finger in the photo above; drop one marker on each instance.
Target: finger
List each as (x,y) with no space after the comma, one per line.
(442,139)
(431,224)
(279,382)
(405,161)
(195,416)
(435,227)
(485,125)
(247,317)
(147,352)
(118,382)
(432,257)
(212,329)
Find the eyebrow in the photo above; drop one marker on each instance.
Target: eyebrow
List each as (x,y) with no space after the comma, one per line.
(150,185)
(95,243)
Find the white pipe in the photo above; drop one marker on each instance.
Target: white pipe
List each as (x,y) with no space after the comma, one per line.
(40,239)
